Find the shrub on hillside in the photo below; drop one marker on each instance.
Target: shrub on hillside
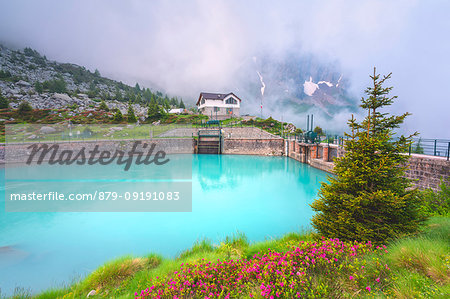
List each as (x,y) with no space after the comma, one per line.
(24,106)
(369,198)
(4,103)
(437,203)
(321,269)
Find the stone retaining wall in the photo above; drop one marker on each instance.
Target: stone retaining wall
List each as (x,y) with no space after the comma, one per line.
(266,147)
(20,152)
(425,171)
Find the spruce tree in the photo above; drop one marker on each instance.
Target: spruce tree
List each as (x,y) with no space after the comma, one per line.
(182,104)
(103,106)
(369,199)
(166,106)
(153,110)
(130,114)
(4,103)
(118,117)
(418,148)
(24,107)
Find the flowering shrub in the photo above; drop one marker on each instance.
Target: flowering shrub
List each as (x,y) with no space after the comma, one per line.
(309,269)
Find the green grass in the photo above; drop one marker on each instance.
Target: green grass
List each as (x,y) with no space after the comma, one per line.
(419,265)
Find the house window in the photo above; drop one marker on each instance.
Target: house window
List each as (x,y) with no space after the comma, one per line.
(229,110)
(216,109)
(231,101)
(203,101)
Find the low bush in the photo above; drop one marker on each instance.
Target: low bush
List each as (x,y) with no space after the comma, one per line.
(437,203)
(306,270)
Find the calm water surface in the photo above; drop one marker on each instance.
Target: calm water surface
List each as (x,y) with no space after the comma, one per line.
(263,197)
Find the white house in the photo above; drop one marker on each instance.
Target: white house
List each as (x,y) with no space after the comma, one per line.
(219,104)
(177,110)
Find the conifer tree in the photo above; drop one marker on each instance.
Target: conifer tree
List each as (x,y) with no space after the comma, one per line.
(182,104)
(369,199)
(418,149)
(103,106)
(118,117)
(4,103)
(118,95)
(153,110)
(131,117)
(166,105)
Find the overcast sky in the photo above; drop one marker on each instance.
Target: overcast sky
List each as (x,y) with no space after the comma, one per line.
(184,47)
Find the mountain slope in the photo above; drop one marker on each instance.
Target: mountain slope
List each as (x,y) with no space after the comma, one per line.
(28,76)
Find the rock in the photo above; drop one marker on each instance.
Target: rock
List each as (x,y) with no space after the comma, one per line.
(23,83)
(32,137)
(61,96)
(91,293)
(47,130)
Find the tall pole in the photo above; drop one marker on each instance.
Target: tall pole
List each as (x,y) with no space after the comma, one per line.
(307,124)
(262,99)
(312,122)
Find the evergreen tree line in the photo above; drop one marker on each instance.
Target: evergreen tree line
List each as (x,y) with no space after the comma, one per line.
(122,92)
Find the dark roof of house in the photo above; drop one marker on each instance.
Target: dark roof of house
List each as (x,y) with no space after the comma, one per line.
(215,96)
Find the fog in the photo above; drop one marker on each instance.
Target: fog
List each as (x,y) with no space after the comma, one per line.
(184,47)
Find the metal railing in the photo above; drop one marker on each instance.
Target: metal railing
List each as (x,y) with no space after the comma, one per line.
(431,147)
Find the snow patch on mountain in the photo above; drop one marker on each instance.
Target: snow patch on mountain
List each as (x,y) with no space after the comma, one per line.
(310,87)
(326,82)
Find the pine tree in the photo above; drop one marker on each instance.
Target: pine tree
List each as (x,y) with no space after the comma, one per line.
(103,106)
(182,104)
(24,106)
(38,87)
(369,199)
(153,110)
(4,103)
(166,105)
(118,117)
(174,102)
(130,114)
(118,95)
(418,148)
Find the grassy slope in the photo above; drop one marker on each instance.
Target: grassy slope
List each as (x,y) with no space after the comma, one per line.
(420,265)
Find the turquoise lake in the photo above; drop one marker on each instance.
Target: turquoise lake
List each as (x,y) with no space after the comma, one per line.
(263,197)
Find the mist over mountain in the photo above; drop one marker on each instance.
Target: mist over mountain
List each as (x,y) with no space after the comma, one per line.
(185,47)
(294,85)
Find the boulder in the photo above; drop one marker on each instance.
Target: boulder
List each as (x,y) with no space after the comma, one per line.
(47,130)
(23,83)
(62,96)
